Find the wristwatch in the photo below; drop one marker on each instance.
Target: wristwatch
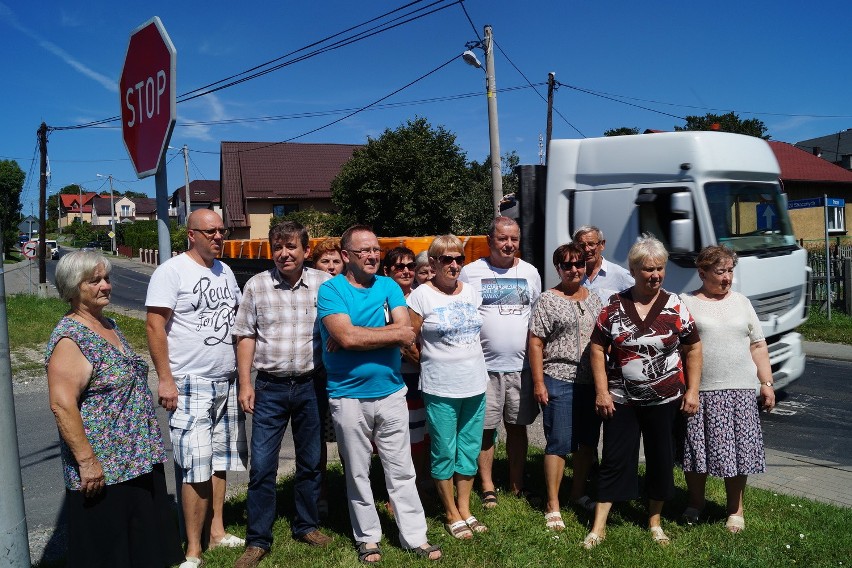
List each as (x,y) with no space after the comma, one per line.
(767,384)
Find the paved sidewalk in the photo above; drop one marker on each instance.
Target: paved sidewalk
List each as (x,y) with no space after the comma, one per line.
(787,473)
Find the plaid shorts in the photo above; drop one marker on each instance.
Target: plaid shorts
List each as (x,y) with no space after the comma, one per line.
(208,428)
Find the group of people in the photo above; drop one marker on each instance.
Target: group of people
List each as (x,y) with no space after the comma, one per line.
(416,358)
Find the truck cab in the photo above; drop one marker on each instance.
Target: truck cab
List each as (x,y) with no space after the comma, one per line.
(690,190)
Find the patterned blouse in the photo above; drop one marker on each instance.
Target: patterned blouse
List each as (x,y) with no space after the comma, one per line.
(565,326)
(116,407)
(645,367)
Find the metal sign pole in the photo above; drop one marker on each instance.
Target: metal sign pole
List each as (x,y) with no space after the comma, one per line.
(827,261)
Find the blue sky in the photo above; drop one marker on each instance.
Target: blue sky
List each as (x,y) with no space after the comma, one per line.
(784,62)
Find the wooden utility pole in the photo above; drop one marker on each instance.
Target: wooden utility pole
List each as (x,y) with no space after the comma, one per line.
(42,206)
(551,80)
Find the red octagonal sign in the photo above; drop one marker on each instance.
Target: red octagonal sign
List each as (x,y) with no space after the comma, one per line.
(147,91)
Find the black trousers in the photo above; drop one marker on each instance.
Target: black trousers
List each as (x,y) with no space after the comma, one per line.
(618,474)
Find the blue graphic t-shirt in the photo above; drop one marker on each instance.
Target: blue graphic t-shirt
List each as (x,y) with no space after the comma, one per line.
(451,360)
(361,374)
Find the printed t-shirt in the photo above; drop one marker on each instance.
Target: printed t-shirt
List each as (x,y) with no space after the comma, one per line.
(451,361)
(204,302)
(508,295)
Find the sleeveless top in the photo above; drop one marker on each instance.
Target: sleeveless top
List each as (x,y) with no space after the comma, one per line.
(116,408)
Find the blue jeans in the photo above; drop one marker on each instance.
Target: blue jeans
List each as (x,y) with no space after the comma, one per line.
(276,402)
(557,417)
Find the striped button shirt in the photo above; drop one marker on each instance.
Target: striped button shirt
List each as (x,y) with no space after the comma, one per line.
(283,321)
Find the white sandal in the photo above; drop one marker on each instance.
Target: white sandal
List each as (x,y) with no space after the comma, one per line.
(553,521)
(592,540)
(659,536)
(735,523)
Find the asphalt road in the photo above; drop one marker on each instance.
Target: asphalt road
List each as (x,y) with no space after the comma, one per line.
(813,417)
(129,286)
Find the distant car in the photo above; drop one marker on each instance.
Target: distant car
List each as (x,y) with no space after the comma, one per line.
(52,249)
(92,246)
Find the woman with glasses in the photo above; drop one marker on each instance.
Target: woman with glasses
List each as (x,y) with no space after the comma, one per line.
(400,266)
(653,374)
(560,328)
(724,437)
(445,316)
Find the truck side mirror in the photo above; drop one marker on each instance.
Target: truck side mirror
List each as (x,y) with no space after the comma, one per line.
(682,229)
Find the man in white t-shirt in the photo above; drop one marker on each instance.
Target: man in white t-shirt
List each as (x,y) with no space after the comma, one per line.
(192,301)
(602,277)
(509,287)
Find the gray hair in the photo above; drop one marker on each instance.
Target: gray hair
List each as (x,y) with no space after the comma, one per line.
(646,247)
(74,268)
(421,260)
(501,221)
(587,229)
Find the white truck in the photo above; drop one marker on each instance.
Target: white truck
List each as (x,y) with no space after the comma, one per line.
(690,190)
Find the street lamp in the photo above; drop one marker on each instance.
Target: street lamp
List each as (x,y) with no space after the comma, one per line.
(469,57)
(111,211)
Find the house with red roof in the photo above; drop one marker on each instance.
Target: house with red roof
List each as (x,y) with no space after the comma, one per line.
(73,206)
(261,180)
(803,176)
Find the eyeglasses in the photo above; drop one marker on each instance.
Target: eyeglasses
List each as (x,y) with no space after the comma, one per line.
(210,233)
(401,266)
(567,265)
(447,259)
(589,244)
(361,253)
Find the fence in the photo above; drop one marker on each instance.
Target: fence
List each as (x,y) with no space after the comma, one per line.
(840,277)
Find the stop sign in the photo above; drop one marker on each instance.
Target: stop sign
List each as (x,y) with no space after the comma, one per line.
(147,92)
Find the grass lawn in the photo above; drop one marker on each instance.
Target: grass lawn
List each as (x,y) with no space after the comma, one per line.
(819,328)
(780,531)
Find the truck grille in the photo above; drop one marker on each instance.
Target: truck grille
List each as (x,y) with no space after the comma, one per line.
(776,304)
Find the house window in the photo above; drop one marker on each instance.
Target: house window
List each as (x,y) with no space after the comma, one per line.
(281,210)
(125,210)
(836,219)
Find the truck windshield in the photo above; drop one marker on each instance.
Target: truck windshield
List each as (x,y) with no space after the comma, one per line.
(749,216)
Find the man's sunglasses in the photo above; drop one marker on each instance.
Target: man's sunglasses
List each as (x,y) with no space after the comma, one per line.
(447,259)
(567,265)
(399,266)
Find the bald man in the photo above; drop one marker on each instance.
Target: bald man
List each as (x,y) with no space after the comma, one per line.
(192,302)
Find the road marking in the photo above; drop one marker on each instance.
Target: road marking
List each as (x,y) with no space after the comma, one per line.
(783,411)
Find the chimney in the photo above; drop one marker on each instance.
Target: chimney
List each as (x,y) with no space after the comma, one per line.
(817,151)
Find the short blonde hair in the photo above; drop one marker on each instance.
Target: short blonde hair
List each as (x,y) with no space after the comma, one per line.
(74,268)
(646,247)
(443,243)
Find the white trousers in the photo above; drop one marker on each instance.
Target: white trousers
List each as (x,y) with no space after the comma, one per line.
(384,422)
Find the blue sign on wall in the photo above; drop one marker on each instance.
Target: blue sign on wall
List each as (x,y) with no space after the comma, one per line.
(814,202)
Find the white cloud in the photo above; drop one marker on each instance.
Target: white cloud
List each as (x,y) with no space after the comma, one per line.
(109,84)
(70,20)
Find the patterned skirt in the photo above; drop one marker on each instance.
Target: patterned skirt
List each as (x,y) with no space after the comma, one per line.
(724,438)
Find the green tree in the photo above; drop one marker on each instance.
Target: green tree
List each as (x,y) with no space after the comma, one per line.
(318,223)
(11,184)
(729,122)
(414,181)
(623,131)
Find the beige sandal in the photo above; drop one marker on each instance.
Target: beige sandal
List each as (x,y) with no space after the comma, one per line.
(553,521)
(735,523)
(659,536)
(591,541)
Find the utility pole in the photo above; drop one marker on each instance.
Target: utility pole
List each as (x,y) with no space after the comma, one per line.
(80,205)
(112,215)
(493,130)
(551,81)
(188,209)
(42,201)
